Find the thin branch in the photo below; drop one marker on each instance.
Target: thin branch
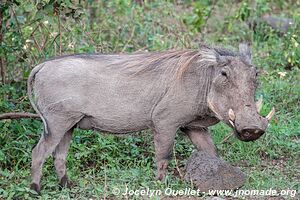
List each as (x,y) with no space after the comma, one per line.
(3,70)
(49,33)
(18,116)
(59,31)
(54,40)
(130,39)
(18,24)
(42,34)
(176,163)
(38,46)
(207,18)
(2,63)
(105,183)
(45,42)
(227,137)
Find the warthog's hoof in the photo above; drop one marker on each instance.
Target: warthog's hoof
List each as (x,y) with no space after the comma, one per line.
(36,188)
(160,176)
(64,182)
(162,170)
(211,173)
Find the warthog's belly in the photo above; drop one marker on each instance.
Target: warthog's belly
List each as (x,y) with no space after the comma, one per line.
(92,123)
(202,122)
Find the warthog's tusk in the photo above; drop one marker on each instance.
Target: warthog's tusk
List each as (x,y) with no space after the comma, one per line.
(232,124)
(271,114)
(231,115)
(259,104)
(212,107)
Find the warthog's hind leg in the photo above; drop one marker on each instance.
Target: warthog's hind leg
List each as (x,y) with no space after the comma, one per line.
(60,155)
(58,125)
(39,154)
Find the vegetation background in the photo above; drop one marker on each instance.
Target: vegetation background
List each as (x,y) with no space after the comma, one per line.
(32,31)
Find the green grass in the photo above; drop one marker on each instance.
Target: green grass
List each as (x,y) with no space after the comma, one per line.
(97,163)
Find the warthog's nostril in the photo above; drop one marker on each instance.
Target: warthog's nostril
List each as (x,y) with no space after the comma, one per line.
(249,132)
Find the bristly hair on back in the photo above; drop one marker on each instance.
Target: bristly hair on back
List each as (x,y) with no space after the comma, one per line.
(175,61)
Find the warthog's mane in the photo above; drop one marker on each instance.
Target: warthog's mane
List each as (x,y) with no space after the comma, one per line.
(174,62)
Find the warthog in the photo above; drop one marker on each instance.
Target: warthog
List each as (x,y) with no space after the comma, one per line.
(121,93)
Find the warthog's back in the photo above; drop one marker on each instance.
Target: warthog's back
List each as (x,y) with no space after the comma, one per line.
(96,86)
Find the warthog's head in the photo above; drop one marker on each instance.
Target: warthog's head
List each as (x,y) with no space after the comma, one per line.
(232,95)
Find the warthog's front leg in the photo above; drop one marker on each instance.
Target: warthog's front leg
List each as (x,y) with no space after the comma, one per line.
(163,142)
(201,139)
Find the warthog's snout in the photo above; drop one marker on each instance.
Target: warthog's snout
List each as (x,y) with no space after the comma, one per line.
(253,132)
(250,133)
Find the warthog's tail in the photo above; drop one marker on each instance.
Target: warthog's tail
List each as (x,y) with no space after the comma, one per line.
(30,96)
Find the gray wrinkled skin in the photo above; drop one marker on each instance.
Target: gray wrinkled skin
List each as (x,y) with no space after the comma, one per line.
(190,89)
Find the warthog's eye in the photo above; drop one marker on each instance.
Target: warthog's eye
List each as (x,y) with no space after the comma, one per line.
(224,73)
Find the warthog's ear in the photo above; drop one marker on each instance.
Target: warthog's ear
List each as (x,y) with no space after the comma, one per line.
(208,55)
(245,52)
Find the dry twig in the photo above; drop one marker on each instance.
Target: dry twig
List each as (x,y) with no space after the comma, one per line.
(227,137)
(18,116)
(2,63)
(176,163)
(59,31)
